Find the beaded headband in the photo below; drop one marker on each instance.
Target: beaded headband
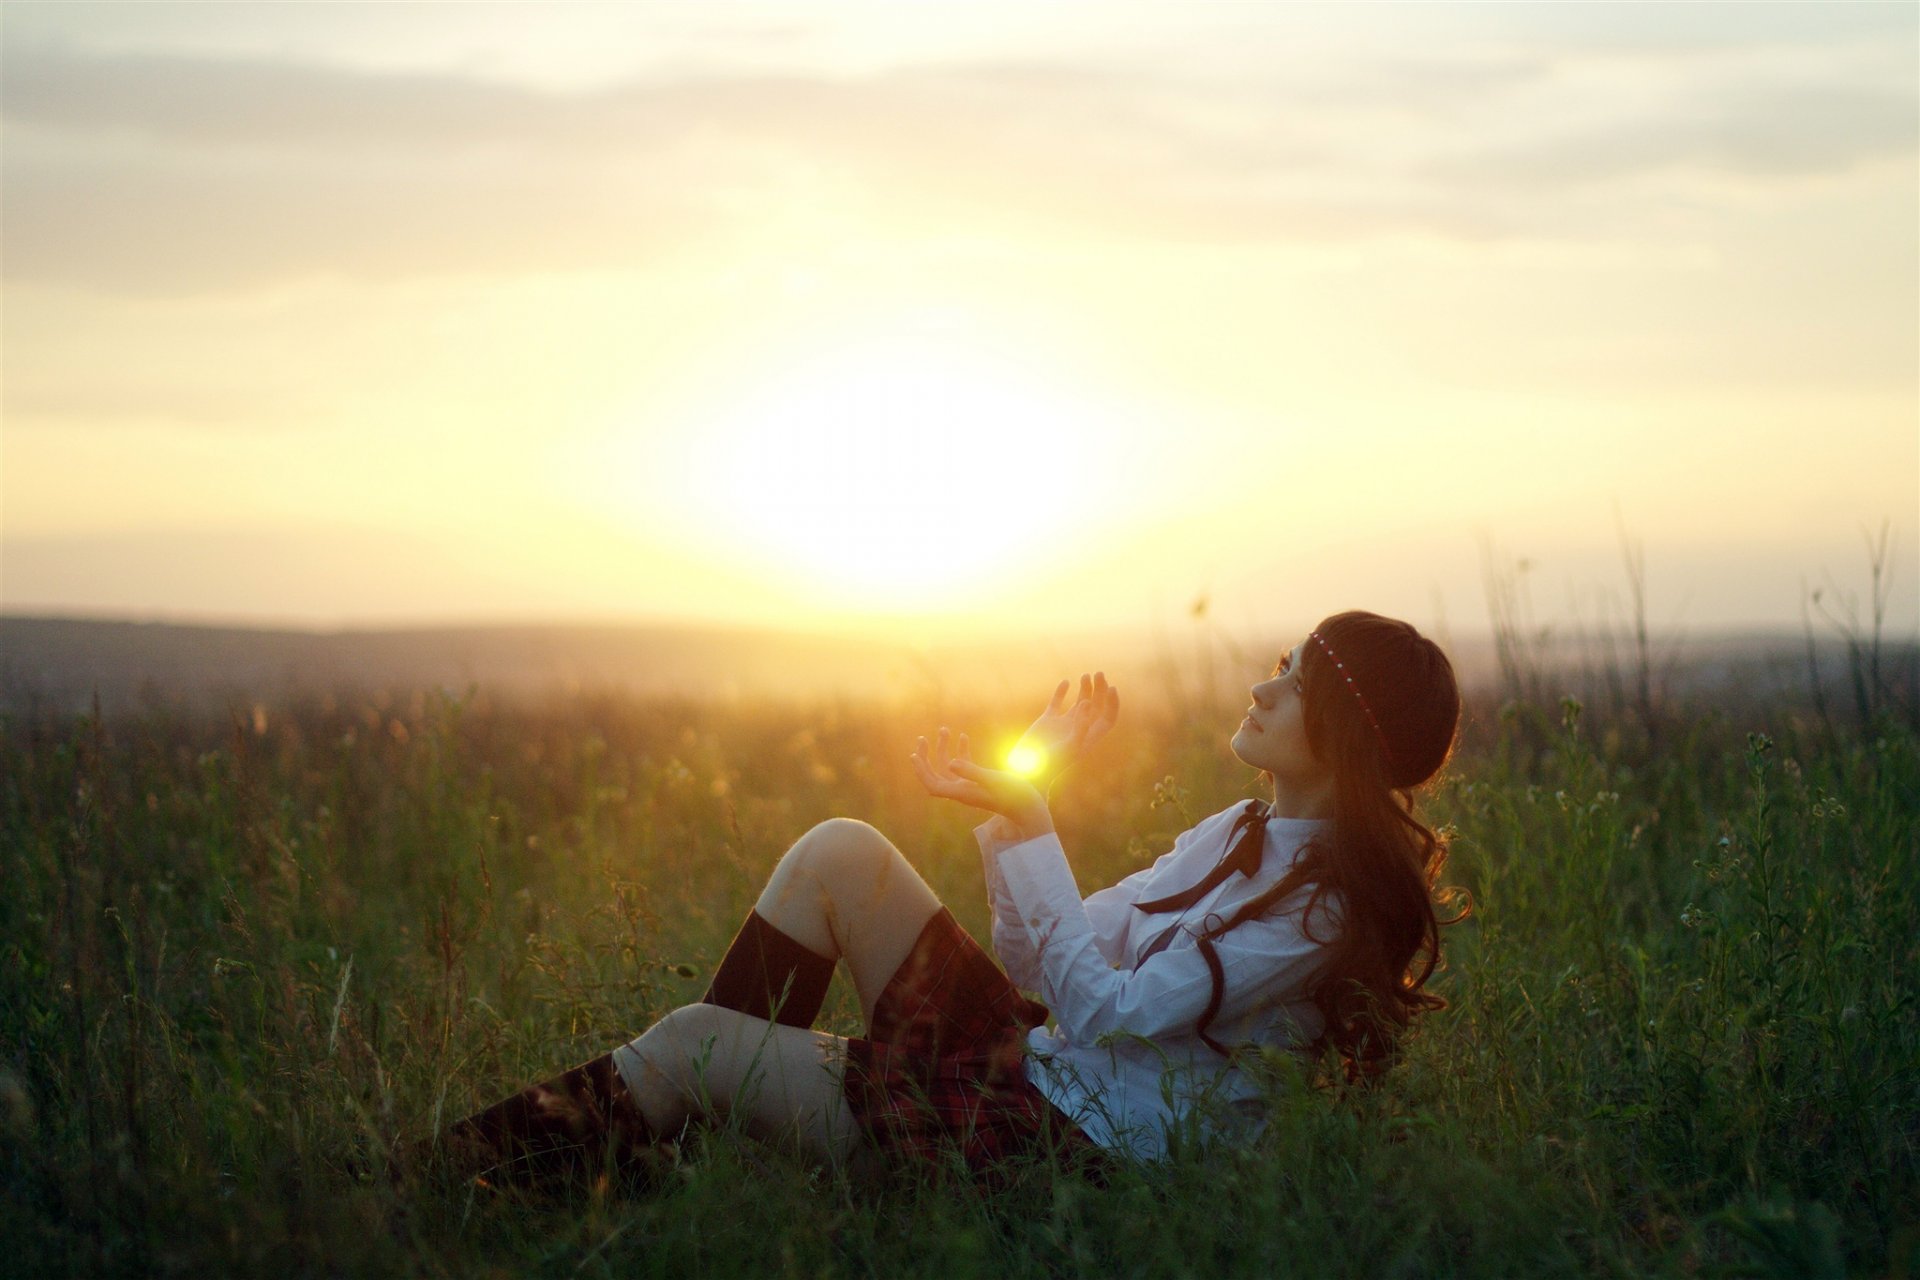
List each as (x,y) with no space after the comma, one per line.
(1359,697)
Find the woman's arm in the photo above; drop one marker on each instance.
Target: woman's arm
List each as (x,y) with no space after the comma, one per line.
(1051,743)
(1010,941)
(1110,910)
(1168,993)
(1020,814)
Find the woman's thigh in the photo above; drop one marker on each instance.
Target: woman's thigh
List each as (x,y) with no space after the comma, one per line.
(845,892)
(781,1082)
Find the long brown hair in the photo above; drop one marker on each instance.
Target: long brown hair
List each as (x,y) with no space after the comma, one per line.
(1382,708)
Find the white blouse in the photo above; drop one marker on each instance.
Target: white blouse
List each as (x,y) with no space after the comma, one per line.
(1122,1057)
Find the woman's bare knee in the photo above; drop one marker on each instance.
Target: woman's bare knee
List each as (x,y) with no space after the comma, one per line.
(843,891)
(662,1066)
(805,896)
(704,1060)
(837,845)
(686,1029)
(847,851)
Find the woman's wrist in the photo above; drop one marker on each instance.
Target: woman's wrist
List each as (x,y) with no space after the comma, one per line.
(1031,823)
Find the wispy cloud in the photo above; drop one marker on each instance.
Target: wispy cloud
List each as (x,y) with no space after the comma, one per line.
(1778,132)
(171,174)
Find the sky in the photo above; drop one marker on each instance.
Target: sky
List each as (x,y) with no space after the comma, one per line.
(917,318)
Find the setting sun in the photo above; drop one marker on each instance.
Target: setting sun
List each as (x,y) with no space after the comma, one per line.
(894,470)
(910,320)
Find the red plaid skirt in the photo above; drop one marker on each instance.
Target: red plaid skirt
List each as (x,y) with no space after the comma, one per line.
(943,1068)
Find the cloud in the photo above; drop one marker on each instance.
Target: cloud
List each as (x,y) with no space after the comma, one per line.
(274,104)
(1792,131)
(161,224)
(162,175)
(287,106)
(139,173)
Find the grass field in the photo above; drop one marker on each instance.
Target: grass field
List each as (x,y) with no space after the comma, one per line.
(240,956)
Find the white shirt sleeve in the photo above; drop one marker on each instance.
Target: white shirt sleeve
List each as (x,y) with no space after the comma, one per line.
(1168,993)
(1010,941)
(1110,911)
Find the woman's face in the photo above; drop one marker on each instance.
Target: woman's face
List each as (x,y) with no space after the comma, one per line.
(1274,734)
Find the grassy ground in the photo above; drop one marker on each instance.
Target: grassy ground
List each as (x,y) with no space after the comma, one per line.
(238,957)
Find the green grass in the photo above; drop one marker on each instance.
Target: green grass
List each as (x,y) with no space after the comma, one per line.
(239,957)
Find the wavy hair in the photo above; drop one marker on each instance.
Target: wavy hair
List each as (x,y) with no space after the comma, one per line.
(1382,718)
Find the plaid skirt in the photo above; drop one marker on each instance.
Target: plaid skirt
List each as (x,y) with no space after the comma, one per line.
(942,1070)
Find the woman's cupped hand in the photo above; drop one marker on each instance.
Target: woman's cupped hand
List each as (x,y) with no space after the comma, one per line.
(1062,734)
(947,769)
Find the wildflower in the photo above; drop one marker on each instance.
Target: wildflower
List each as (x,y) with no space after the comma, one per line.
(1570,708)
(1694,916)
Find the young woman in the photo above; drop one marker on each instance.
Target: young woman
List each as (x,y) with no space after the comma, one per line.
(1306,922)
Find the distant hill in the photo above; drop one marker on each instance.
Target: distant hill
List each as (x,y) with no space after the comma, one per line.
(61,663)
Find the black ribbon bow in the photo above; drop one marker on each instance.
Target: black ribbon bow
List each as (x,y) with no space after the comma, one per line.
(1243,856)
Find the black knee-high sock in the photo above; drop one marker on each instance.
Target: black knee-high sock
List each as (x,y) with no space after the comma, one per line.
(766,972)
(576,1123)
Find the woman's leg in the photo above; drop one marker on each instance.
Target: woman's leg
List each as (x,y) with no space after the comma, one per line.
(581,1122)
(841,892)
(702,1060)
(769,975)
(841,873)
(844,892)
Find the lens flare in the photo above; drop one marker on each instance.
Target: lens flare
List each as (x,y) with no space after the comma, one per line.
(1026,761)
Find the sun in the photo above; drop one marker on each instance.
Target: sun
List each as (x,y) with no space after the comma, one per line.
(897,471)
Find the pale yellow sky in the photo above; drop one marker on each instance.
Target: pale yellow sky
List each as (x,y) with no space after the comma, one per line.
(967,318)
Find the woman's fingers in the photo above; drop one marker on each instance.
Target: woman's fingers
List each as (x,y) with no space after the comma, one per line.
(932,762)
(928,778)
(1093,708)
(947,783)
(946,768)
(1093,690)
(938,778)
(940,763)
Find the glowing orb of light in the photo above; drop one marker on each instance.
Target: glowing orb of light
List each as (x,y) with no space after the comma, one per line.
(1026,760)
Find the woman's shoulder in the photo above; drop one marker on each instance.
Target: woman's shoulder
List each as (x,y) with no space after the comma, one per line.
(1210,828)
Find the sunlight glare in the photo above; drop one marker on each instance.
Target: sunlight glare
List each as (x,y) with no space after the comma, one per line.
(1026,760)
(895,471)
